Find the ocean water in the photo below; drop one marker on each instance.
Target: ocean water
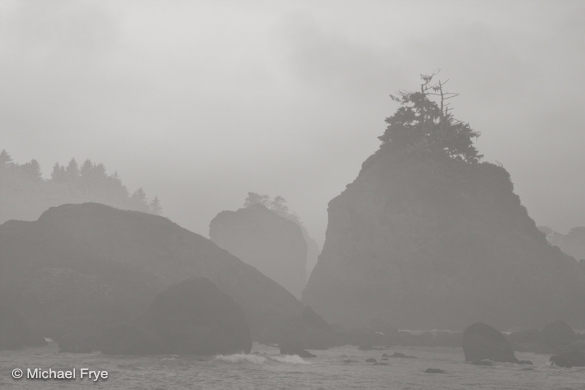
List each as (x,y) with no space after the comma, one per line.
(337,368)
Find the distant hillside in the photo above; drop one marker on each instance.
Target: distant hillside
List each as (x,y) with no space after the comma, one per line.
(25,194)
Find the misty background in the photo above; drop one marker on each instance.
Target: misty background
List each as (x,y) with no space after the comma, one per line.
(200,103)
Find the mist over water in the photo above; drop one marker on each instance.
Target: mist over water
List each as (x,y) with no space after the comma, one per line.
(326,195)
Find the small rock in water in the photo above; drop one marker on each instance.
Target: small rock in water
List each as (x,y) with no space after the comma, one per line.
(434,371)
(401,355)
(371,360)
(481,341)
(571,358)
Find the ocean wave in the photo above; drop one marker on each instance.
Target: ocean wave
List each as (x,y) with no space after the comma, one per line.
(242,358)
(261,359)
(290,359)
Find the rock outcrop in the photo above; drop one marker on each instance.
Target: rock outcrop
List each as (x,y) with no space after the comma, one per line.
(574,357)
(195,317)
(191,317)
(81,269)
(429,242)
(482,342)
(557,336)
(267,241)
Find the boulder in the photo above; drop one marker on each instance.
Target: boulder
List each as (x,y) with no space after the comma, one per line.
(557,336)
(83,269)
(574,357)
(481,341)
(195,317)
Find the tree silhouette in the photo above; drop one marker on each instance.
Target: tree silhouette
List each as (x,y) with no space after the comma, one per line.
(155,206)
(424,119)
(25,194)
(5,159)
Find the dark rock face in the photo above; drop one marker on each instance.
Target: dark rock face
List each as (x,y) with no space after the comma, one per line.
(571,358)
(557,336)
(271,243)
(194,317)
(481,342)
(430,243)
(81,269)
(15,332)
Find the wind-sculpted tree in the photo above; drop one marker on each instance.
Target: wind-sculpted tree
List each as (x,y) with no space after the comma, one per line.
(424,119)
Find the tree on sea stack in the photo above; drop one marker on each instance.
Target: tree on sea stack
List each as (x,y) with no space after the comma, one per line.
(424,120)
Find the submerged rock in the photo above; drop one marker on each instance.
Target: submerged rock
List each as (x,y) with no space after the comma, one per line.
(481,341)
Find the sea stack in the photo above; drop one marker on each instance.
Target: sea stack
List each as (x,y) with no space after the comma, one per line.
(428,236)
(262,238)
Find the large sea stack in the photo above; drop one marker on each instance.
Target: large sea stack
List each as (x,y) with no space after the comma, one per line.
(81,269)
(266,240)
(429,236)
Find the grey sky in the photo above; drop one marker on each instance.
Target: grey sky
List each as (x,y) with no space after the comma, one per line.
(201,102)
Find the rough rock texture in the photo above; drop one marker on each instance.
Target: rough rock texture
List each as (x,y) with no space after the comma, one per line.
(88,267)
(423,242)
(271,243)
(481,342)
(572,243)
(15,332)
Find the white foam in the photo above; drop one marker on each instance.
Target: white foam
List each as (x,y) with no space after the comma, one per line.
(242,358)
(290,359)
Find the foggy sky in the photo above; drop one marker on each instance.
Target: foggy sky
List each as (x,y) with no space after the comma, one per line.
(201,102)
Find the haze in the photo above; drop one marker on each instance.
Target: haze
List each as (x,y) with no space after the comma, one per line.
(201,102)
